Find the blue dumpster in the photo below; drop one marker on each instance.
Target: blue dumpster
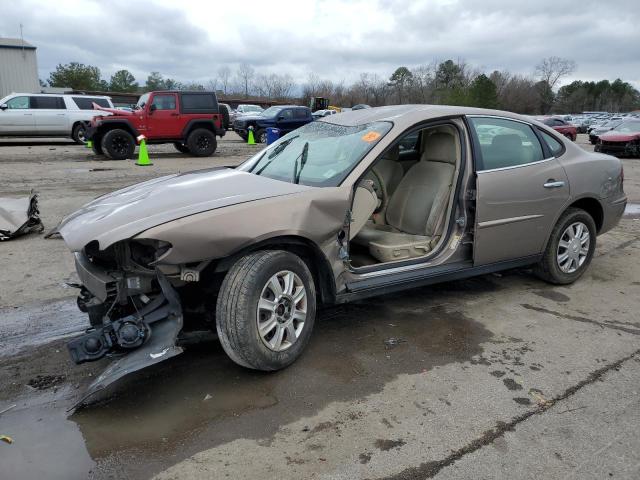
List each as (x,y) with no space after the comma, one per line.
(273,134)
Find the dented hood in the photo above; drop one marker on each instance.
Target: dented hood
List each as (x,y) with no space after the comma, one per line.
(127,212)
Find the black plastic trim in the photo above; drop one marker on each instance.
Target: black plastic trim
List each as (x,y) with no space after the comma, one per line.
(426,276)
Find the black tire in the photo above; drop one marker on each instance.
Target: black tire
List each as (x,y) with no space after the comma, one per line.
(261,136)
(78,133)
(201,142)
(181,147)
(548,269)
(96,146)
(118,144)
(237,309)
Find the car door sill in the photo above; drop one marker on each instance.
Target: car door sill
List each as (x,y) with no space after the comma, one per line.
(416,278)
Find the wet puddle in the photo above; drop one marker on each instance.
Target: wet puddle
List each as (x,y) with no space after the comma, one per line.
(632,210)
(200,399)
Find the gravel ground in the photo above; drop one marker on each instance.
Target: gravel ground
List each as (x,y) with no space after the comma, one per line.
(499,376)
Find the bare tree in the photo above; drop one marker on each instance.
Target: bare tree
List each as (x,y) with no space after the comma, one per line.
(224,75)
(245,75)
(212,84)
(552,69)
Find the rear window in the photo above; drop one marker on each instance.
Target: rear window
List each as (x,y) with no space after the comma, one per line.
(86,103)
(300,113)
(47,103)
(199,103)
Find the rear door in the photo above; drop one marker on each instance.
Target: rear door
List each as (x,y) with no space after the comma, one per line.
(520,189)
(17,118)
(50,115)
(163,118)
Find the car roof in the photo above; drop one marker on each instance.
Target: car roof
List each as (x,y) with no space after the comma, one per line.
(407,115)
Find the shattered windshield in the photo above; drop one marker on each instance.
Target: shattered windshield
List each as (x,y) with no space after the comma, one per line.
(319,154)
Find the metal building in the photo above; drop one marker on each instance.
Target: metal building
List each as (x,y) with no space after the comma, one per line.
(18,67)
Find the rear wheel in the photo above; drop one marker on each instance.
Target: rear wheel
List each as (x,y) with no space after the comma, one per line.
(201,142)
(570,248)
(266,310)
(78,133)
(181,147)
(118,144)
(261,136)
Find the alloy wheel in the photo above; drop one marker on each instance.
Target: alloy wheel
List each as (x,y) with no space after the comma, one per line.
(573,247)
(282,311)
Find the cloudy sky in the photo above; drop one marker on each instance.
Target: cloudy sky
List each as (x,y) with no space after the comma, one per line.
(189,40)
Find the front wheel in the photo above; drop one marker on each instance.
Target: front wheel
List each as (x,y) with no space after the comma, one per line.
(570,248)
(261,136)
(201,142)
(118,144)
(266,310)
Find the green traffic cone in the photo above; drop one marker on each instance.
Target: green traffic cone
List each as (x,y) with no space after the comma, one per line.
(89,144)
(250,139)
(143,155)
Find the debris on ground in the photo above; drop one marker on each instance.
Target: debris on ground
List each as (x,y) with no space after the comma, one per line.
(6,439)
(7,409)
(392,342)
(19,216)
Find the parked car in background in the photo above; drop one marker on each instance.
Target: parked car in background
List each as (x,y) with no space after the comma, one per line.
(561,126)
(49,115)
(189,120)
(333,212)
(323,113)
(598,130)
(284,117)
(244,109)
(622,141)
(360,106)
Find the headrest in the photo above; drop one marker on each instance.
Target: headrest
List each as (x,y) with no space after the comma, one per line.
(440,147)
(393,154)
(507,141)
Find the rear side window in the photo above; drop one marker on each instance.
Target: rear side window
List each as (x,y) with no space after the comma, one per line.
(86,103)
(199,103)
(505,143)
(300,113)
(48,103)
(18,103)
(554,145)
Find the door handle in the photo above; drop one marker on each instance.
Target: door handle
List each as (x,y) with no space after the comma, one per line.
(553,184)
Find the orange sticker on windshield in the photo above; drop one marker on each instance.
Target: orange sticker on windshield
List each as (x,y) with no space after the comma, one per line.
(371,137)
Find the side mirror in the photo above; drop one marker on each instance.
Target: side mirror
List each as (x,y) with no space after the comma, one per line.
(280,117)
(4,106)
(153,108)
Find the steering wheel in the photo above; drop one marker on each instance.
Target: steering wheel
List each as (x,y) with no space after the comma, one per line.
(381,191)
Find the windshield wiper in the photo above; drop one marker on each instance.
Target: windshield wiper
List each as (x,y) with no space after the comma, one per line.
(276,151)
(303,160)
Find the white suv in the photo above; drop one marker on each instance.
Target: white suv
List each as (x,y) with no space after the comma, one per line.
(49,115)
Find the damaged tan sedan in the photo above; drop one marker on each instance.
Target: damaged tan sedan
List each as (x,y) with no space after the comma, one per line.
(357,204)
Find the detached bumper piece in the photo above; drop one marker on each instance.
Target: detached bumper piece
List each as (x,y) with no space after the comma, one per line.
(149,335)
(19,216)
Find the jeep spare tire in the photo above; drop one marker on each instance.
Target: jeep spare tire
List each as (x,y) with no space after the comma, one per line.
(118,144)
(202,142)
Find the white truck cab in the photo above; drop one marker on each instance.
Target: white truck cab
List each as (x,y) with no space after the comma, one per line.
(49,115)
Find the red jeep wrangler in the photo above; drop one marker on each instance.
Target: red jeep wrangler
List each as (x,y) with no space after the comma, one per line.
(189,120)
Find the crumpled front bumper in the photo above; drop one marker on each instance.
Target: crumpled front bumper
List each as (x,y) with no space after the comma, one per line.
(144,338)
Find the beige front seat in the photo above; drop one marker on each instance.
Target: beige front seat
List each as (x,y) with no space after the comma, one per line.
(417,208)
(386,176)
